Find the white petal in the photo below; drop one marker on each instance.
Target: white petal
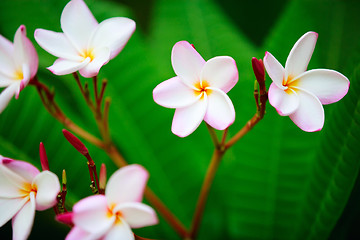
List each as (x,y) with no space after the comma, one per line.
(300,55)
(23,169)
(173,93)
(48,187)
(310,114)
(220,72)
(63,67)
(274,69)
(187,119)
(187,62)
(24,52)
(127,185)
(220,112)
(285,103)
(101,57)
(113,33)
(7,94)
(5,81)
(91,215)
(9,207)
(57,44)
(24,220)
(11,184)
(120,231)
(24,81)
(6,57)
(78,23)
(77,233)
(137,215)
(328,85)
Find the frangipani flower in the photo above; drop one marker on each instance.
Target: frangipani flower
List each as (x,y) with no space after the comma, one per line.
(298,93)
(18,65)
(198,92)
(111,216)
(24,189)
(85,45)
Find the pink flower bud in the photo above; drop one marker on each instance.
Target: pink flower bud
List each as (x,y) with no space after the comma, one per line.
(77,144)
(43,158)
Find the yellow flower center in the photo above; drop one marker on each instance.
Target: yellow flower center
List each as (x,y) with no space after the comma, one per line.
(290,84)
(88,53)
(202,88)
(118,215)
(27,189)
(18,75)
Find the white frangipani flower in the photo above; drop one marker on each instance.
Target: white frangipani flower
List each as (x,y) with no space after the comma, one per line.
(24,189)
(111,216)
(18,65)
(85,45)
(198,92)
(298,93)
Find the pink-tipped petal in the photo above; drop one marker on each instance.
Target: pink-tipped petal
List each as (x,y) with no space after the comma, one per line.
(187,62)
(173,93)
(24,169)
(7,94)
(91,214)
(137,215)
(11,184)
(274,69)
(310,114)
(9,207)
(113,33)
(300,55)
(48,187)
(24,51)
(24,220)
(78,23)
(77,233)
(57,44)
(120,231)
(328,85)
(102,56)
(6,57)
(220,112)
(187,119)
(285,103)
(63,67)
(220,72)
(127,185)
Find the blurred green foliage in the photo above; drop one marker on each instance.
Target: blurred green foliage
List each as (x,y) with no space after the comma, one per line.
(276,183)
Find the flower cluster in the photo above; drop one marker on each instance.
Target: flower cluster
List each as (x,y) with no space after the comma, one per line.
(198,92)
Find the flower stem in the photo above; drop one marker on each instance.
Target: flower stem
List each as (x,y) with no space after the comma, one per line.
(200,206)
(213,136)
(106,144)
(248,126)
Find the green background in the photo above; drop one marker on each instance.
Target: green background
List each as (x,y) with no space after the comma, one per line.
(278,182)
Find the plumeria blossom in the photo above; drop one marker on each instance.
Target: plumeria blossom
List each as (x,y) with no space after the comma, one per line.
(298,93)
(24,189)
(18,65)
(198,92)
(111,216)
(85,45)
